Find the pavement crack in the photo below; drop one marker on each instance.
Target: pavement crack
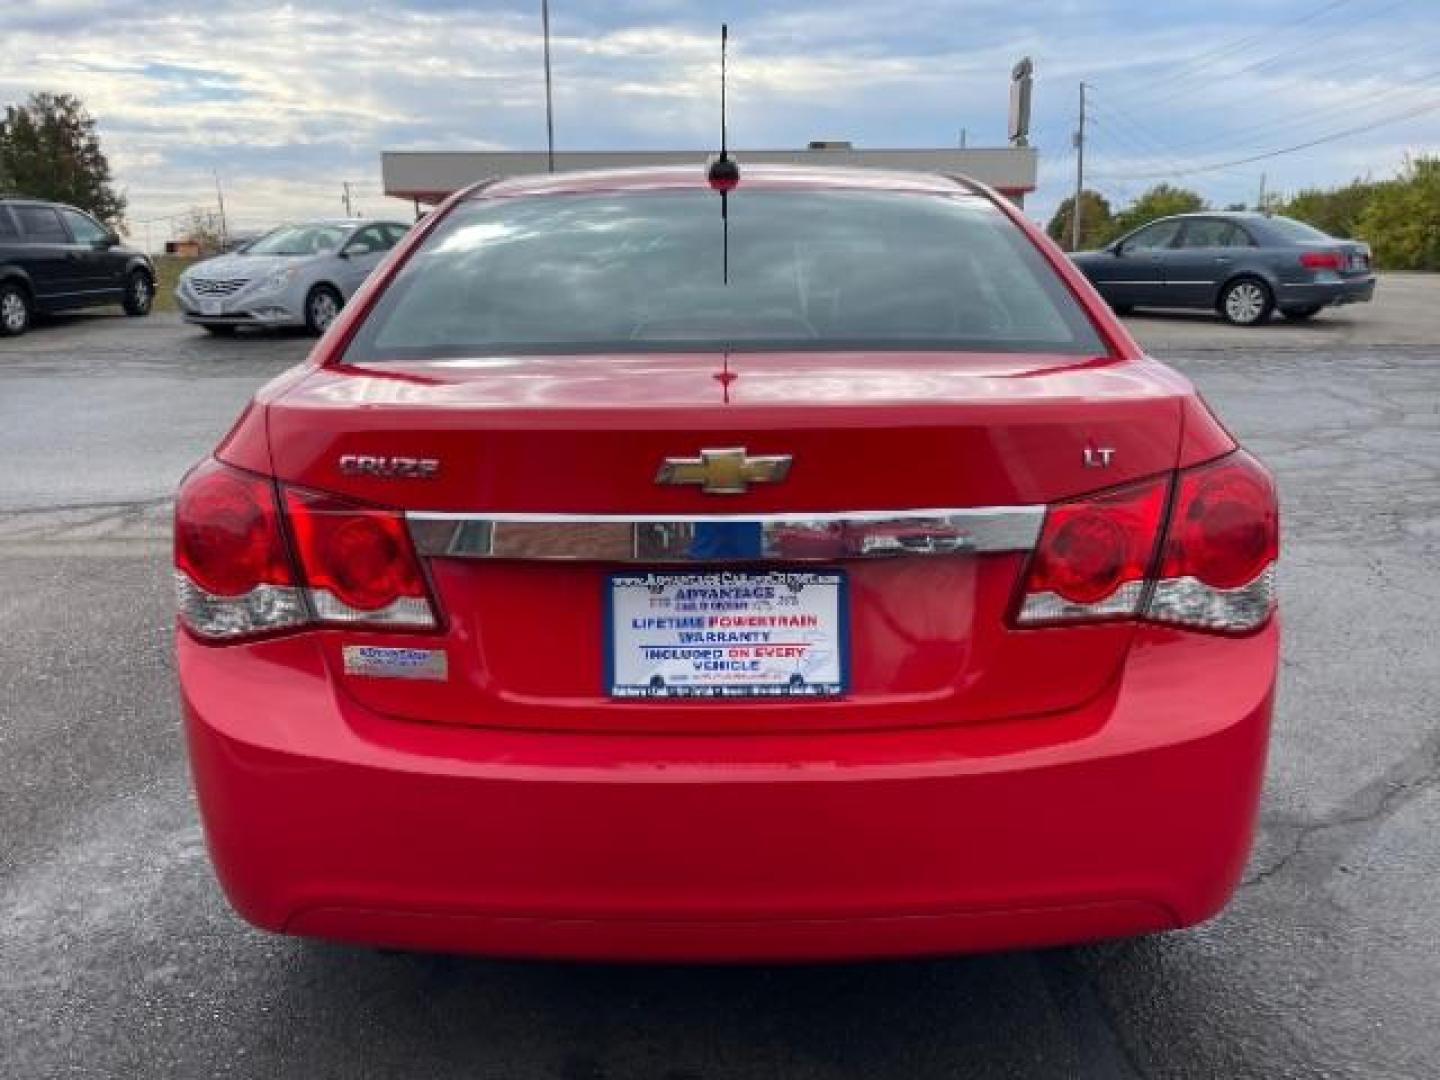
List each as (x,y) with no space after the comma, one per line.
(1369,806)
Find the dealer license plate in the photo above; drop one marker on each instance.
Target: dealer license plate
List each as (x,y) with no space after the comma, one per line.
(726,634)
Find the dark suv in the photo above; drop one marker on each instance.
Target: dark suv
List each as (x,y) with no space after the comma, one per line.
(54,257)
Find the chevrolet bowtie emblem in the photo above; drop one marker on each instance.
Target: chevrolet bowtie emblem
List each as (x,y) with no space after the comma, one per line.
(724,472)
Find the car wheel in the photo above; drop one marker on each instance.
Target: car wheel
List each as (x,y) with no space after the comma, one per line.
(1246,302)
(139,294)
(1300,314)
(220,330)
(14,310)
(321,308)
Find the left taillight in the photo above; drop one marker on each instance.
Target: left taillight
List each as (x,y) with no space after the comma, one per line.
(235,576)
(358,562)
(1093,555)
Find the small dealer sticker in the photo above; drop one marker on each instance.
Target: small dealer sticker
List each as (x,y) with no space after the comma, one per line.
(379,662)
(727,634)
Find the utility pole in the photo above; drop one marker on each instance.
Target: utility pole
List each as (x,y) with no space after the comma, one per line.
(224,226)
(1260,204)
(1079,175)
(962,138)
(345,198)
(549,103)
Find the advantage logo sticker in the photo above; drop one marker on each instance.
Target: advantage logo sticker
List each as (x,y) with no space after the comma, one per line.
(378,662)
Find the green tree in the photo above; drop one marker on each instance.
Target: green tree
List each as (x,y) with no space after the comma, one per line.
(1162,200)
(49,149)
(1401,220)
(1336,211)
(1095,221)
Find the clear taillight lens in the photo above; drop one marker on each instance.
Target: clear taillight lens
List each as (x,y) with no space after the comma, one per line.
(357,562)
(1217,566)
(232,574)
(1214,569)
(235,578)
(1093,555)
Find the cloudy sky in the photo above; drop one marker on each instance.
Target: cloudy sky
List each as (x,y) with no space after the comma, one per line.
(287,101)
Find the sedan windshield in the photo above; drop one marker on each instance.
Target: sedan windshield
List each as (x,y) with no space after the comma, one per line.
(298,240)
(659,270)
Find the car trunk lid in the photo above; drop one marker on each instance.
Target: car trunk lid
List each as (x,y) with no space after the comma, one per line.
(892,440)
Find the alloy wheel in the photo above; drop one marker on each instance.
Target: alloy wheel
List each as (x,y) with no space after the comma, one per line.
(12,312)
(1245,303)
(323,309)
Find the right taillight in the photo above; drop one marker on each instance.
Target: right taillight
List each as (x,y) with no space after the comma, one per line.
(235,576)
(1209,563)
(1217,564)
(1321,260)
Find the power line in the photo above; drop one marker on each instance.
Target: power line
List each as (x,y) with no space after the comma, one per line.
(1332,137)
(1199,63)
(1371,15)
(1185,84)
(1177,160)
(1354,105)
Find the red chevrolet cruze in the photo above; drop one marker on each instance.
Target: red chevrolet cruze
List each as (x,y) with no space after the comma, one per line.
(830,577)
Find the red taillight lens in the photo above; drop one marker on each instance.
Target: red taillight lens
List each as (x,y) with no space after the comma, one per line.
(1215,569)
(1093,555)
(227,531)
(1320,260)
(232,573)
(358,562)
(1224,529)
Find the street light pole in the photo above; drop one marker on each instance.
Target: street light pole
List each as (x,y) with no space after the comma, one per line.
(1079,175)
(549,103)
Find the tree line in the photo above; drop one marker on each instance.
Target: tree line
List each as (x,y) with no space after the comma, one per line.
(1399,218)
(49,149)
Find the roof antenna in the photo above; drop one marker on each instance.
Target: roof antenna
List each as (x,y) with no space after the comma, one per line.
(723,175)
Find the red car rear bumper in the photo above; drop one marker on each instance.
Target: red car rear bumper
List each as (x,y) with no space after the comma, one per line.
(1130,814)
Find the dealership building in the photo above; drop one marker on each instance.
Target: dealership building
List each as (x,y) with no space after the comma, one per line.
(428,176)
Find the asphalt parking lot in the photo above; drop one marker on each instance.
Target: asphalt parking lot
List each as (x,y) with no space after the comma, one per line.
(121,959)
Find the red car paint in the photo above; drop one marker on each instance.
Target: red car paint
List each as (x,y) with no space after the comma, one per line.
(983,782)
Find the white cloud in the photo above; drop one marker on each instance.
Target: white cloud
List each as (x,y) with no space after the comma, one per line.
(287,101)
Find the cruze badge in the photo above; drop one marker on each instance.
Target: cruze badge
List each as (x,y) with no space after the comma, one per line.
(724,472)
(388,467)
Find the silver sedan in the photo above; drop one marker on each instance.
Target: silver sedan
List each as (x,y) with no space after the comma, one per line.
(297,275)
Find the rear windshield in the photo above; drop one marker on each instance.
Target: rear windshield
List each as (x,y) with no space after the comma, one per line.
(661,270)
(1290,229)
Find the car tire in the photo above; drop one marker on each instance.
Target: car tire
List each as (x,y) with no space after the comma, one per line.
(15,310)
(1300,314)
(322,306)
(139,294)
(221,330)
(1246,301)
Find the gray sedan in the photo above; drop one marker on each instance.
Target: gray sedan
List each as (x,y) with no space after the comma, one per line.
(1243,265)
(297,275)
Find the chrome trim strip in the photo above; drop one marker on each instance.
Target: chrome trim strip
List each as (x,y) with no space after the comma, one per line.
(779,537)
